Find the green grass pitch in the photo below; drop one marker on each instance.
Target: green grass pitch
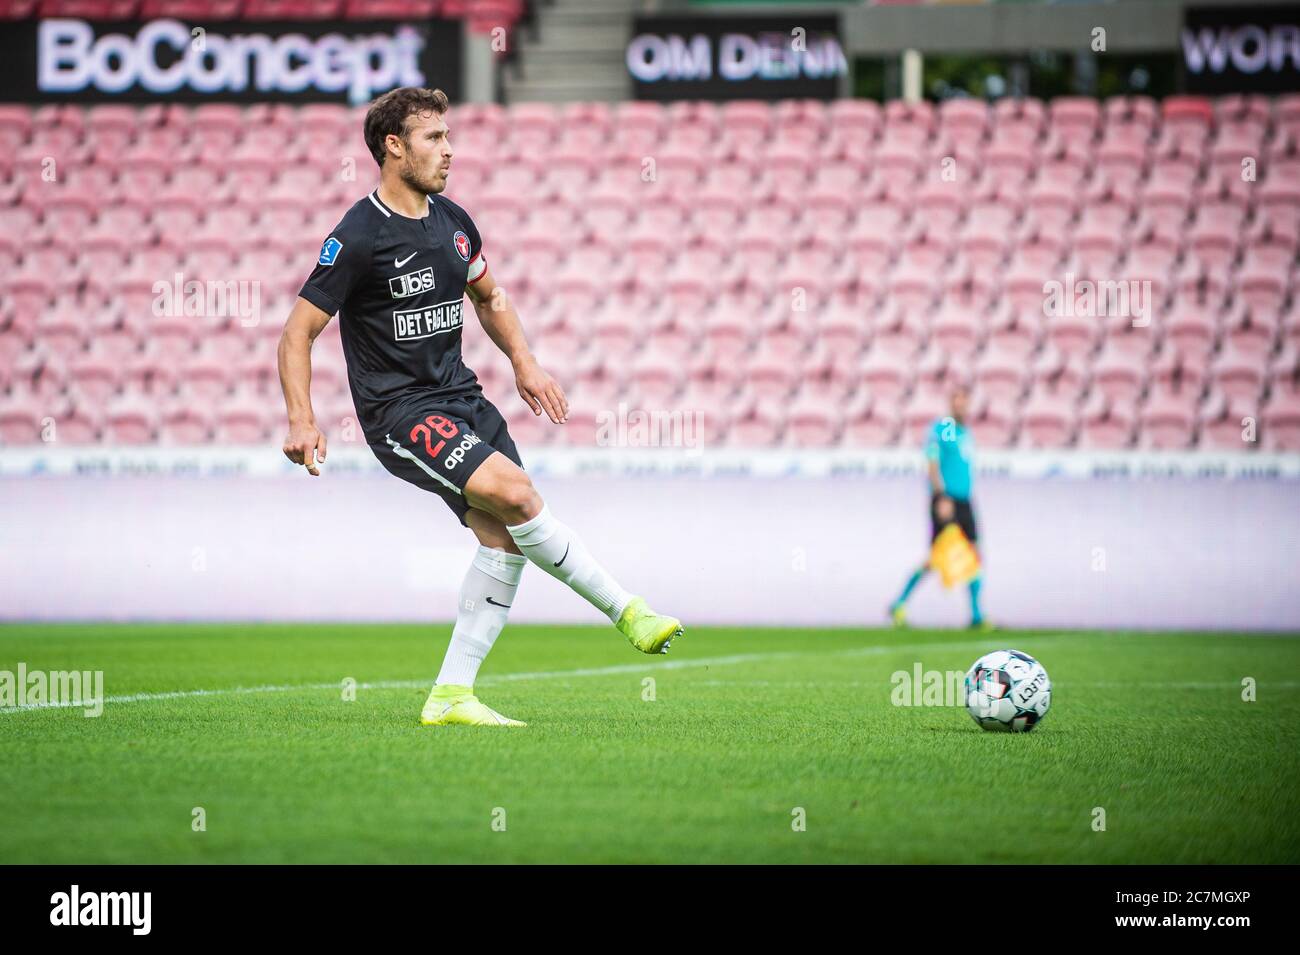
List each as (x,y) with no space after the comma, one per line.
(746,727)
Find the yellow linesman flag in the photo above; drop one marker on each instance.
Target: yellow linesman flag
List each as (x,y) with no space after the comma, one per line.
(954,557)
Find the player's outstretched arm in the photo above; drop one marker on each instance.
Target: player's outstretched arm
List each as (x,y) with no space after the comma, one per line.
(497,315)
(305,443)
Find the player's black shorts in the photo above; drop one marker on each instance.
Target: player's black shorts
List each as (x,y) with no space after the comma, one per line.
(441,445)
(963,515)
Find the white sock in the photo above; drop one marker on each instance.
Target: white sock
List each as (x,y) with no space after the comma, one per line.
(556,549)
(485,599)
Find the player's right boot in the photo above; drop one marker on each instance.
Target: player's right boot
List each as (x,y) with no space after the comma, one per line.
(898,613)
(646,630)
(450,705)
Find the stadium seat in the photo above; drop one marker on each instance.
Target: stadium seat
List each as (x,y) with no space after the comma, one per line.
(1106,424)
(1281,422)
(760,426)
(1119,375)
(20,417)
(1226,423)
(812,424)
(870,423)
(1001,374)
(1284,372)
(1238,373)
(1168,420)
(1048,421)
(130,420)
(994,421)
(886,376)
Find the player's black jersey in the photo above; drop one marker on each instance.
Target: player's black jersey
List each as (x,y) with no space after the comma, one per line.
(398,285)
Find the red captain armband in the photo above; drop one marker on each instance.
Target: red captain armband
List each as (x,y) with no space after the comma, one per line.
(477,269)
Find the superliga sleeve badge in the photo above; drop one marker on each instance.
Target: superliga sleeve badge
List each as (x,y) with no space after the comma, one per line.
(330,251)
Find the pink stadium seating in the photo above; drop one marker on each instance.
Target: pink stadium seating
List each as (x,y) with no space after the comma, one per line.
(1049,421)
(1281,419)
(813,424)
(1168,421)
(871,423)
(830,305)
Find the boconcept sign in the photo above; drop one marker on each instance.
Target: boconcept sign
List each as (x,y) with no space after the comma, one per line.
(168,58)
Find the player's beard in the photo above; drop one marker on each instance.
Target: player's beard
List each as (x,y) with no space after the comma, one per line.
(425,184)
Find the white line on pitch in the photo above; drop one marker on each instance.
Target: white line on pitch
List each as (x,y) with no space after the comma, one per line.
(647,666)
(1056,686)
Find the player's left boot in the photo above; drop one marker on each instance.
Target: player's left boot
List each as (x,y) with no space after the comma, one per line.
(983,626)
(646,630)
(450,705)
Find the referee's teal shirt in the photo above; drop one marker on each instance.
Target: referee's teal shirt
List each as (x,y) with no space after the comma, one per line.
(952,445)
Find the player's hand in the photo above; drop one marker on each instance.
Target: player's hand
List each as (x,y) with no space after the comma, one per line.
(944,508)
(541,392)
(305,445)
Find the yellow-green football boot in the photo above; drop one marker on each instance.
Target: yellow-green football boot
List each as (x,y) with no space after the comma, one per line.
(646,630)
(451,705)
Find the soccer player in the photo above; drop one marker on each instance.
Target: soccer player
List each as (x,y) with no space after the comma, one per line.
(396,269)
(948,451)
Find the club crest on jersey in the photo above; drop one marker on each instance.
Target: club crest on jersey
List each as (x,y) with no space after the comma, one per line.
(462,244)
(330,251)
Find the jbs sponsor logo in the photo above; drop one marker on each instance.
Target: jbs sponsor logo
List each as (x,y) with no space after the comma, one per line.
(412,323)
(457,454)
(412,283)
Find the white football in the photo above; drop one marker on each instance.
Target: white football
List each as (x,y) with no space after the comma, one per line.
(1007,690)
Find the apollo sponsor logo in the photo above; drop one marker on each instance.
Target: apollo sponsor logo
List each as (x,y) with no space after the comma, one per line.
(457,454)
(412,283)
(162,58)
(414,323)
(74,907)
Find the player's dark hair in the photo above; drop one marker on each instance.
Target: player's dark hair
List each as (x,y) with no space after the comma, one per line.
(387,115)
